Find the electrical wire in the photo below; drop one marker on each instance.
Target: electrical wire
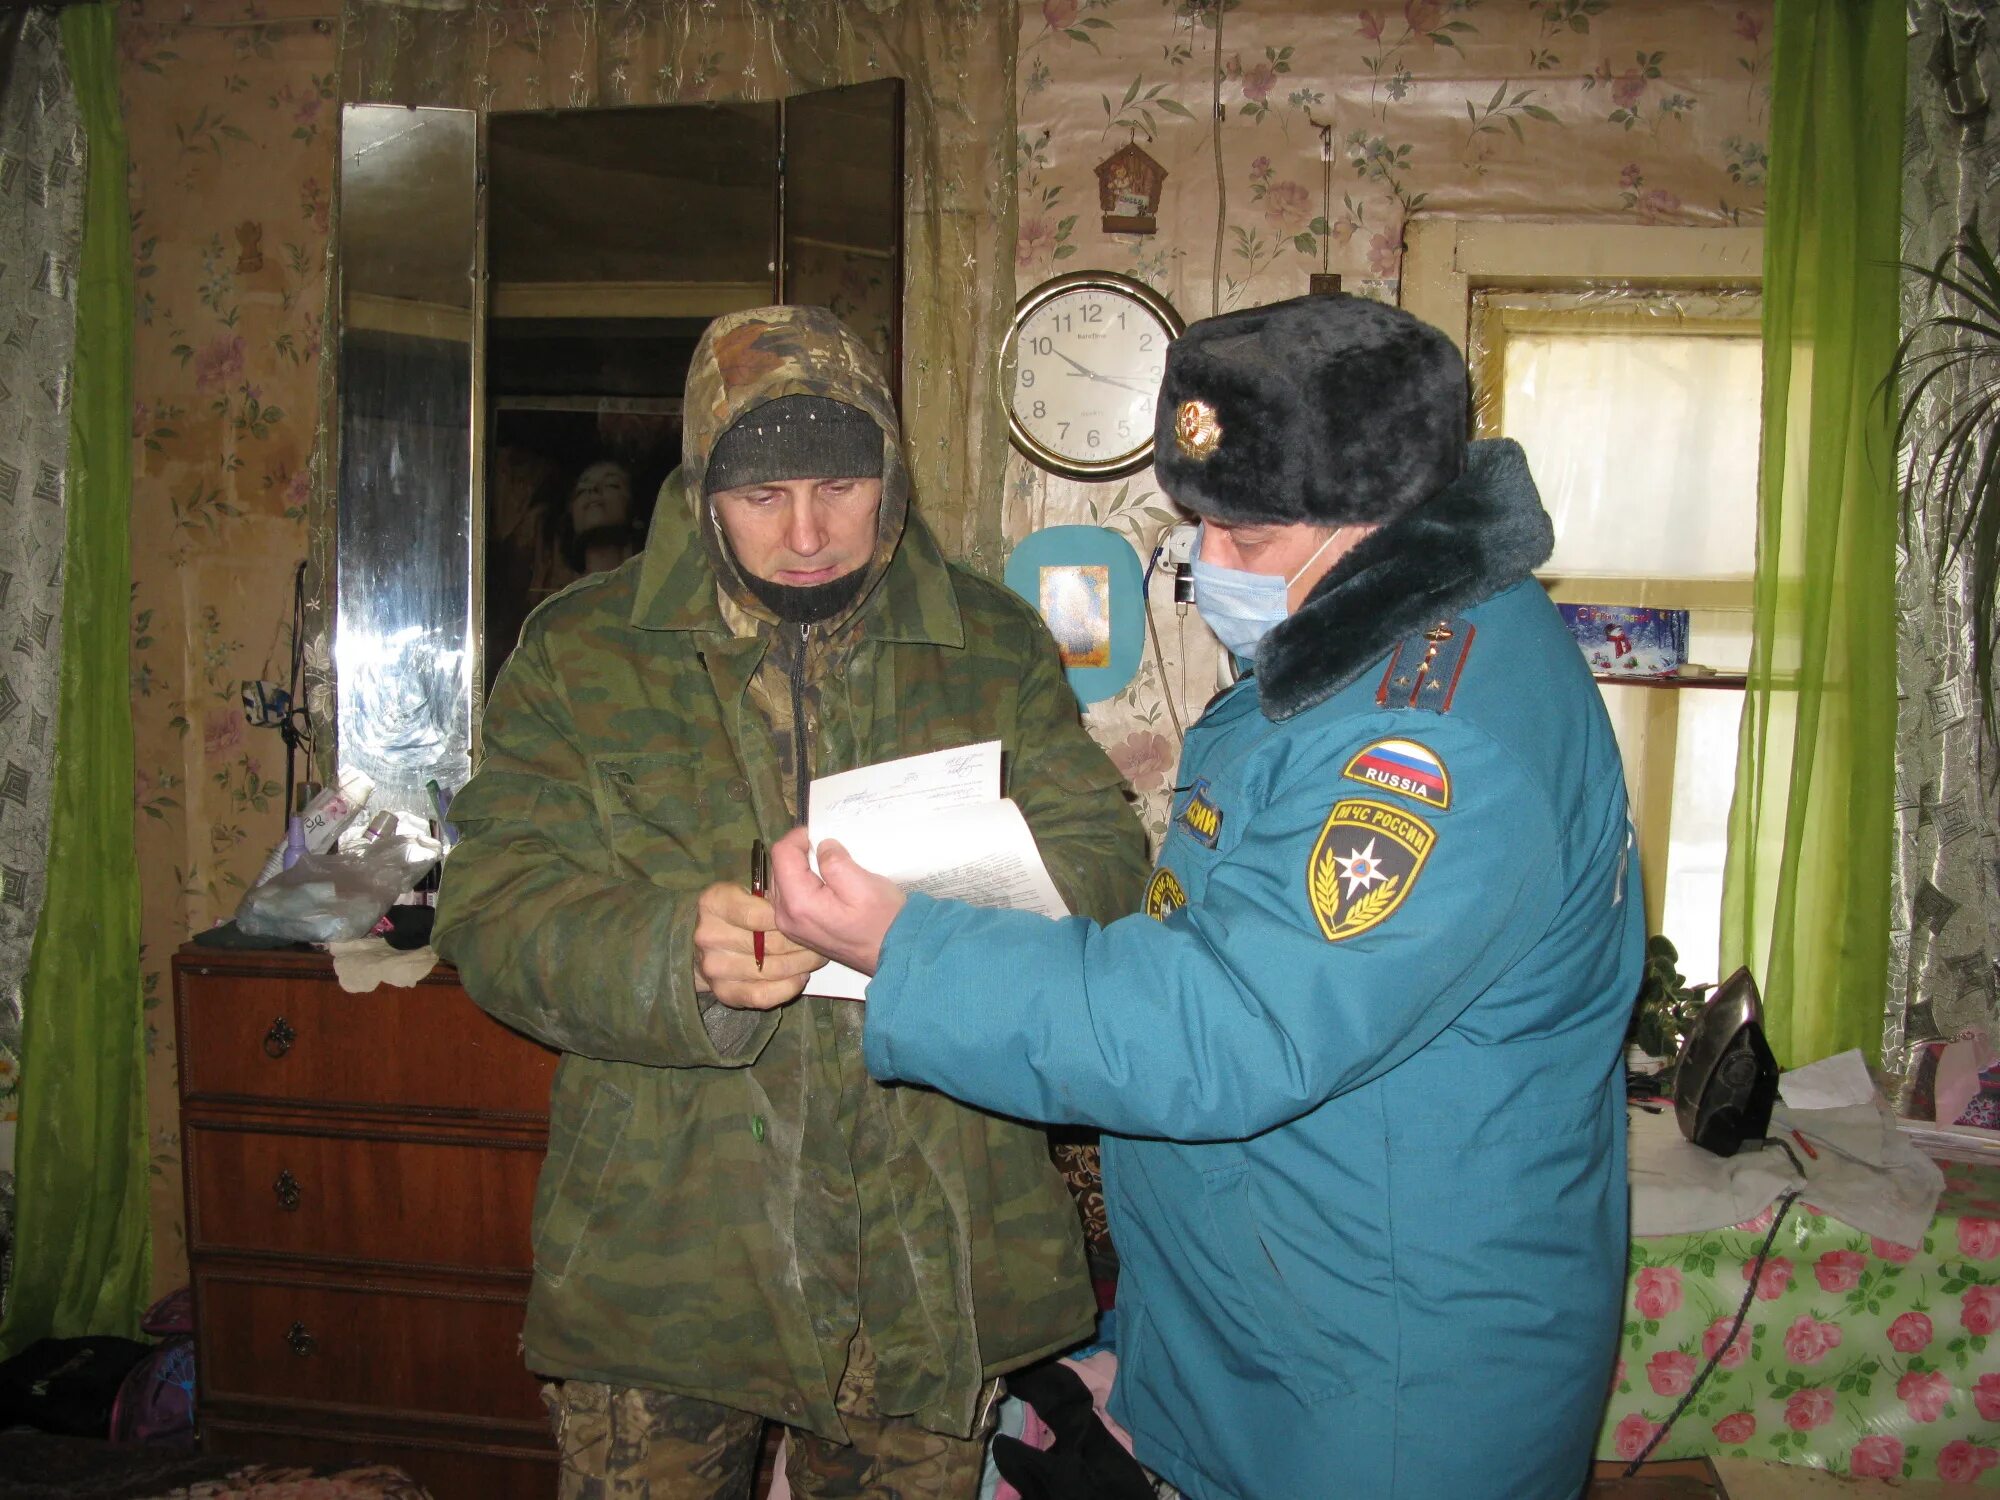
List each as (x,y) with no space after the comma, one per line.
(1153,634)
(1159,658)
(1221,187)
(1742,1311)
(296,730)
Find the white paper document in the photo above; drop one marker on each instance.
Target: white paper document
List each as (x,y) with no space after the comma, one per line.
(913,787)
(934,823)
(1837,1082)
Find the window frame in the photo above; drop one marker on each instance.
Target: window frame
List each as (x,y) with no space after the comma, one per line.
(1448,261)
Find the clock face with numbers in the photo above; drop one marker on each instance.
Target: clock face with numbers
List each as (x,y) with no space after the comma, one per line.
(1088,351)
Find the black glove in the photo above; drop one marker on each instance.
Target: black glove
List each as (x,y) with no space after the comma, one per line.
(1085,1462)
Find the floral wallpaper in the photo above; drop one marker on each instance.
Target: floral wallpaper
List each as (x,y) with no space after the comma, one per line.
(1337,124)
(1609,110)
(231,124)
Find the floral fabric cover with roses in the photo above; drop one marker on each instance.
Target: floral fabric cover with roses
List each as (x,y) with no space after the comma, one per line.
(1857,1356)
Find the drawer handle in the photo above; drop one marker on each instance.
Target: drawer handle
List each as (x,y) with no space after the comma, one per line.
(300,1339)
(278,1040)
(287,1189)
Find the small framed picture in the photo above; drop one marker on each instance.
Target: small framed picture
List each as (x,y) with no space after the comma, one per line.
(1085,583)
(1076,603)
(1626,641)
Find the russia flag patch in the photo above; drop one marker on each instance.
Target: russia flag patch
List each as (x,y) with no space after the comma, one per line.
(1403,767)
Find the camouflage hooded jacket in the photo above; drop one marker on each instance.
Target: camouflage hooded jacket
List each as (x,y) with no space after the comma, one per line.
(727,1194)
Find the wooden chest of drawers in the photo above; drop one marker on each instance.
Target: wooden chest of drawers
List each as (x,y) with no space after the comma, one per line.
(360,1170)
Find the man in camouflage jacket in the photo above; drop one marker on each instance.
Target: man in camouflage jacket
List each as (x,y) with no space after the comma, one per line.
(734,1222)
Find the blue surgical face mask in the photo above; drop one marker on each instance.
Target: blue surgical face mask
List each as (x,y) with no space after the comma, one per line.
(1240,606)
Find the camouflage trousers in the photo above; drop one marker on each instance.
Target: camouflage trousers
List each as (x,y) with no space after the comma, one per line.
(636,1444)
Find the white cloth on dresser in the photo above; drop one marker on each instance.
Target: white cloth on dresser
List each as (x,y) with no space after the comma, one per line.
(362,963)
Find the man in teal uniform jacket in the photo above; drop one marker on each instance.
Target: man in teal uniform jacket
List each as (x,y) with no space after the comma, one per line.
(1358,1060)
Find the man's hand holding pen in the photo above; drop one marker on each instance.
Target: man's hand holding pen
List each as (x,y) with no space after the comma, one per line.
(739,955)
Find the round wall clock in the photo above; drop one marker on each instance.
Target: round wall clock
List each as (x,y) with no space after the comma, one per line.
(1088,350)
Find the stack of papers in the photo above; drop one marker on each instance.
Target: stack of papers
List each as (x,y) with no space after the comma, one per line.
(934,823)
(1953,1142)
(1842,1081)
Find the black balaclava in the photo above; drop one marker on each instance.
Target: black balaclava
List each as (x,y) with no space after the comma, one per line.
(798,437)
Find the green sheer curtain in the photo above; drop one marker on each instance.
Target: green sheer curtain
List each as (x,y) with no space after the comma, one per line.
(81,1252)
(1806,887)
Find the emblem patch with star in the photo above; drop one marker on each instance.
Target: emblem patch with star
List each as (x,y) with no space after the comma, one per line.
(1201,817)
(1366,858)
(1164,895)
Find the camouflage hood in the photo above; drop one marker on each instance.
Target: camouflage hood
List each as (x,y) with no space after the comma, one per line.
(748,358)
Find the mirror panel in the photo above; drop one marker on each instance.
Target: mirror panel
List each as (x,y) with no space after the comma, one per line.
(520,296)
(843,210)
(403,642)
(613,237)
(632,213)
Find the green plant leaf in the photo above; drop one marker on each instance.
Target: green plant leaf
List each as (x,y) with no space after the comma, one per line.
(1946,403)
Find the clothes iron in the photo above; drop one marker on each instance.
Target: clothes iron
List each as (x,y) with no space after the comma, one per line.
(1726,1079)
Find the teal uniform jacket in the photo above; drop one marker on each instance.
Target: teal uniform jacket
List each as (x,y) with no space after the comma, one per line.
(1359,1065)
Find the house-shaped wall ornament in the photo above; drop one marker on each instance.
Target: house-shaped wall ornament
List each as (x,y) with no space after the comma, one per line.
(1128,191)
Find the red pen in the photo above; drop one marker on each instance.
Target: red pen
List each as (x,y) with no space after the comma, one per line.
(1805,1145)
(760,881)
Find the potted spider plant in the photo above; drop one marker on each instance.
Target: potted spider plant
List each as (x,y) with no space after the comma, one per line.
(1950,360)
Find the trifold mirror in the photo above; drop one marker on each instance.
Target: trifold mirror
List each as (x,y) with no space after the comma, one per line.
(519,297)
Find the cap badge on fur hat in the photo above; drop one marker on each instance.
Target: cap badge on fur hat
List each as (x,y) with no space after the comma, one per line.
(1197,429)
(1337,411)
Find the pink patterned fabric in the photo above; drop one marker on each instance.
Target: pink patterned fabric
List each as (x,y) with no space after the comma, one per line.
(1858,1356)
(1097,1372)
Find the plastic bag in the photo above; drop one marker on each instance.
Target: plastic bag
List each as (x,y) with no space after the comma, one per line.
(327,898)
(155,1402)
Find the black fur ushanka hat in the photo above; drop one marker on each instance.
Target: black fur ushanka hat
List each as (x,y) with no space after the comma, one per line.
(1335,410)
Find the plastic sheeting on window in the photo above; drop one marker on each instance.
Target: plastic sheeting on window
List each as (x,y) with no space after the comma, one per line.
(1639,412)
(1640,415)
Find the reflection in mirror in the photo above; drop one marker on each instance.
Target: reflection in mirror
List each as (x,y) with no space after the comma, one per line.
(843,210)
(632,213)
(613,236)
(570,488)
(403,646)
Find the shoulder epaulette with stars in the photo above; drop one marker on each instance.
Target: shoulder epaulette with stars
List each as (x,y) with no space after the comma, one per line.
(1424,668)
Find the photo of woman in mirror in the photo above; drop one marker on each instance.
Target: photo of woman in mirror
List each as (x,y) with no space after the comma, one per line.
(570,493)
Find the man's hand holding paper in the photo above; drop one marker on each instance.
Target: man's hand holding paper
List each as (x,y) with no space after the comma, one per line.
(846,909)
(934,823)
